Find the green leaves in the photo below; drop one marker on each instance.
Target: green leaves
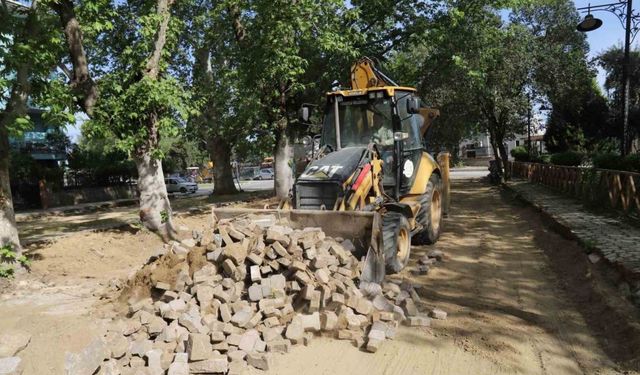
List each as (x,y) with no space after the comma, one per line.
(125,112)
(8,258)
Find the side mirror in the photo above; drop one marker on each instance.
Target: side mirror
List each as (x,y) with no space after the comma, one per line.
(304,113)
(307,140)
(413,105)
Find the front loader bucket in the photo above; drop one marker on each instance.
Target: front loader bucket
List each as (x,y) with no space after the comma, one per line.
(357,226)
(351,225)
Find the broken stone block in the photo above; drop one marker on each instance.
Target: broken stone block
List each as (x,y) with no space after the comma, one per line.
(279,234)
(248,340)
(310,322)
(364,306)
(261,361)
(420,270)
(254,271)
(154,361)
(418,321)
(178,368)
(277,282)
(409,307)
(162,286)
(88,360)
(322,275)
(140,347)
(216,364)
(254,321)
(438,314)
(295,331)
(437,254)
(156,325)
(280,250)
(217,336)
(192,323)
(328,320)
(137,362)
(241,317)
(236,252)
(224,312)
(237,368)
(12,342)
(13,366)
(427,261)
(373,345)
(117,344)
(199,347)
(279,346)
(215,255)
(255,292)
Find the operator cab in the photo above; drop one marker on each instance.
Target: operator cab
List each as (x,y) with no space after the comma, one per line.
(378,115)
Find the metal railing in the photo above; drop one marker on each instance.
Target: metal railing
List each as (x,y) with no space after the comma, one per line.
(619,188)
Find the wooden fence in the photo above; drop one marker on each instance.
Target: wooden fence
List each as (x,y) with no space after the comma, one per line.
(620,189)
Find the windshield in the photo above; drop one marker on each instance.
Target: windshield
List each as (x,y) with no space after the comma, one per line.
(362,121)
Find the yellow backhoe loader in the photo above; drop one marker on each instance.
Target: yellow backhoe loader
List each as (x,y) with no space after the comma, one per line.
(372,181)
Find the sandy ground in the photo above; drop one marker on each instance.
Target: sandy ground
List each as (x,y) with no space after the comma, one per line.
(521,300)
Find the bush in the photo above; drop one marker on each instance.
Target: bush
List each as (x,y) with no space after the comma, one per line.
(633,162)
(608,161)
(520,153)
(617,162)
(544,159)
(568,158)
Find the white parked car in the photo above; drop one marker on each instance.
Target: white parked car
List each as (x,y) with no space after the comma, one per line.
(264,174)
(180,185)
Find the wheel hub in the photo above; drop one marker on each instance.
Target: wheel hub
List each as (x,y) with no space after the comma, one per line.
(404,243)
(436,211)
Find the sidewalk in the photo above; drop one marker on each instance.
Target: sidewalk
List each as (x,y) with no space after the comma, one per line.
(75,209)
(617,241)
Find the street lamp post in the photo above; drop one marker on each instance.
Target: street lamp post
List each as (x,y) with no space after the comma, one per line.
(529,127)
(623,9)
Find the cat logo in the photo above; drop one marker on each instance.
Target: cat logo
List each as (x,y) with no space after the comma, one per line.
(324,172)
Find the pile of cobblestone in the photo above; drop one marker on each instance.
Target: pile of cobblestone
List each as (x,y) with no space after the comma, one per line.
(263,288)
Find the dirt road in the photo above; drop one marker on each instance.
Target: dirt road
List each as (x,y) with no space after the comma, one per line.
(521,300)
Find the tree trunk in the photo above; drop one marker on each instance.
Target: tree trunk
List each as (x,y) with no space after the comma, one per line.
(496,152)
(283,164)
(155,208)
(15,108)
(220,153)
(8,228)
(82,85)
(153,63)
(505,159)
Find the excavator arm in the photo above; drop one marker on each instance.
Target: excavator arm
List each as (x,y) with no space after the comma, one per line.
(364,74)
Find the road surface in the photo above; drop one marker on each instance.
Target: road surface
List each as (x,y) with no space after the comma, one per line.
(520,300)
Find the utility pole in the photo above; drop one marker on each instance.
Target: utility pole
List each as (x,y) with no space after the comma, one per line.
(529,127)
(626,142)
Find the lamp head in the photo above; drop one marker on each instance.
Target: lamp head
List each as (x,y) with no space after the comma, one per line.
(589,23)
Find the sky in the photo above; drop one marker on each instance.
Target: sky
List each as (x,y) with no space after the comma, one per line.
(611,33)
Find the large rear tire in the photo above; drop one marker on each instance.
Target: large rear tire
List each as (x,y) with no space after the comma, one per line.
(430,214)
(396,237)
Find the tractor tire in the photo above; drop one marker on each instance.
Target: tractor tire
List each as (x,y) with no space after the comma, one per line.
(396,237)
(430,214)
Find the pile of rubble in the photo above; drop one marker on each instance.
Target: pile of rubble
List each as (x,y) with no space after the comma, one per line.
(263,288)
